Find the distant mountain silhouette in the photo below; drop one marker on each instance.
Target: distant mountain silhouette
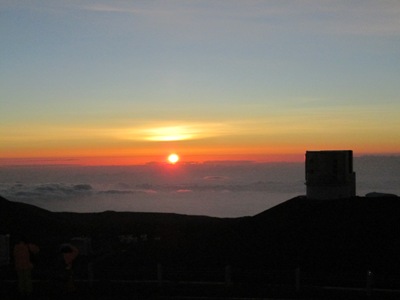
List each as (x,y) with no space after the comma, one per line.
(356,234)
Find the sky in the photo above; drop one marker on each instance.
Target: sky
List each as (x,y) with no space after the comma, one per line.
(129,82)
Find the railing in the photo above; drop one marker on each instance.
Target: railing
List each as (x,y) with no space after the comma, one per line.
(232,278)
(294,279)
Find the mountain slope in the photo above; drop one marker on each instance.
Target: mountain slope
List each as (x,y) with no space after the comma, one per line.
(344,235)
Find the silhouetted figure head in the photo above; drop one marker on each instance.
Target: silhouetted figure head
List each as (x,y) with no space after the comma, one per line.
(20,238)
(66,248)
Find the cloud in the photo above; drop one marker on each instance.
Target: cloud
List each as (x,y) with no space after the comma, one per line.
(116,192)
(213,184)
(184,191)
(216,178)
(250,17)
(50,191)
(82,187)
(219,189)
(368,17)
(178,131)
(150,192)
(98,7)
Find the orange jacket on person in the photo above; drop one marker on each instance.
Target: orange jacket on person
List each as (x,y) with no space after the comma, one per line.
(22,255)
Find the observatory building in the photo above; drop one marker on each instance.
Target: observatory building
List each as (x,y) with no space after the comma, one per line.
(329,174)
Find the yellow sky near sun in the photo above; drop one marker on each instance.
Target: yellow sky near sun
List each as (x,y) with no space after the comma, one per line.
(271,136)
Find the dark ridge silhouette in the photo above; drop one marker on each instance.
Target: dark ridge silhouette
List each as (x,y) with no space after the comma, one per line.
(357,233)
(182,237)
(333,236)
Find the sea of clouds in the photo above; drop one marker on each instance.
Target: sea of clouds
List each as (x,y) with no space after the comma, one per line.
(221,189)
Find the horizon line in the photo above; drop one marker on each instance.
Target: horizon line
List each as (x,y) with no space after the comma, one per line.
(142,161)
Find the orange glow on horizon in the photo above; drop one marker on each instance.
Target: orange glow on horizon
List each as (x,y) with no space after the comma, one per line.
(143,160)
(193,152)
(160,159)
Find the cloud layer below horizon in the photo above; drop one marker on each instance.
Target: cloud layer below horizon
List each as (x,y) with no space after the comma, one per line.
(221,190)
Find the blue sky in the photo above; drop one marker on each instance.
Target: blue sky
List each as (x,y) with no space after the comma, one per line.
(81,78)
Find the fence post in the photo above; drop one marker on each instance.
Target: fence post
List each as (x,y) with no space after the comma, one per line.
(90,273)
(159,273)
(369,282)
(297,279)
(228,275)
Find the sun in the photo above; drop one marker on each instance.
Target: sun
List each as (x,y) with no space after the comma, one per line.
(173,158)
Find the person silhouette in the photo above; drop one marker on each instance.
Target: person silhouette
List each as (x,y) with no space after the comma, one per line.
(69,252)
(22,253)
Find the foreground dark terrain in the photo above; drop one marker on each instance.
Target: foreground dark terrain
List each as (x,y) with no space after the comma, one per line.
(298,249)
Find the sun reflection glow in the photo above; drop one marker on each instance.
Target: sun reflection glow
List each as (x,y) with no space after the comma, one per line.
(172,133)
